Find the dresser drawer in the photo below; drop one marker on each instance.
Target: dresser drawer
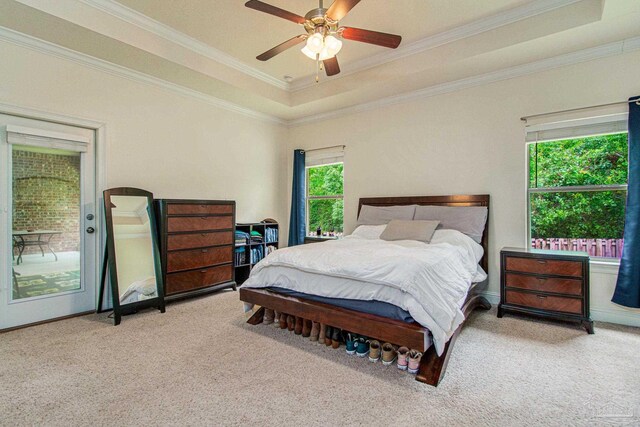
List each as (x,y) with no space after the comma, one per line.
(199,223)
(196,209)
(545,302)
(550,284)
(188,280)
(198,258)
(544,266)
(198,240)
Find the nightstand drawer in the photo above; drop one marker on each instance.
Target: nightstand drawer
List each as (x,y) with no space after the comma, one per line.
(544,266)
(544,302)
(549,284)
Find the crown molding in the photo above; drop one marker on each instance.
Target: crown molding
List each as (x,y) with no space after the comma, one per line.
(146,23)
(479,26)
(52,49)
(33,43)
(610,49)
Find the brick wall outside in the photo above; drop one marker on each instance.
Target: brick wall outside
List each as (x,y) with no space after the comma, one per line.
(46,196)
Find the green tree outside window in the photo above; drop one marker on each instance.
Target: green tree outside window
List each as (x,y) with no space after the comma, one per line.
(325,202)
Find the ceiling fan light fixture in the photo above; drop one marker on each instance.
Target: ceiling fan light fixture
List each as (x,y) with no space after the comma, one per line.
(332,45)
(325,54)
(308,53)
(315,43)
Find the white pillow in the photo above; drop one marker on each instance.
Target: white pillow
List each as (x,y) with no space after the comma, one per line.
(377,215)
(368,231)
(469,220)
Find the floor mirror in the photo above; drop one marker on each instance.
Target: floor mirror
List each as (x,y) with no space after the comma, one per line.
(132,253)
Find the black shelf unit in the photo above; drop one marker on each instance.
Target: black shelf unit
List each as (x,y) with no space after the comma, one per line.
(243,270)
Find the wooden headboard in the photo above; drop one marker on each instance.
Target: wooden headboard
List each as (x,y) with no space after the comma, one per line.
(457,200)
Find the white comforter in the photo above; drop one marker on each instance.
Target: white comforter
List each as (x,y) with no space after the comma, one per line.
(427,280)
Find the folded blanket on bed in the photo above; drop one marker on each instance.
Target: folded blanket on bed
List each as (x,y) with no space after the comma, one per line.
(428,280)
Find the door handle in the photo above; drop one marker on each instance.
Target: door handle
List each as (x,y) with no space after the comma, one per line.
(90,230)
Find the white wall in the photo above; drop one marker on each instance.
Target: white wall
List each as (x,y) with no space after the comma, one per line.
(465,142)
(173,145)
(471,142)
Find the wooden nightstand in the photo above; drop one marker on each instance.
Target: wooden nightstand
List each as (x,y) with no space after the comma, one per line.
(550,284)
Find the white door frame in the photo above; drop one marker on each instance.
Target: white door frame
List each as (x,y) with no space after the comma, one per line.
(99,129)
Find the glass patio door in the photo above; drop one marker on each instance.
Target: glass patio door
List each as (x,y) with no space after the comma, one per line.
(48,221)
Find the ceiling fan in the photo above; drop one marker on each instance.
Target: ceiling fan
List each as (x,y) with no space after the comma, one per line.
(323,33)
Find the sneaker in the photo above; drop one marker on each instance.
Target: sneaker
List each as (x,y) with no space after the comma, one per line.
(388,354)
(403,360)
(374,351)
(362,349)
(350,341)
(414,361)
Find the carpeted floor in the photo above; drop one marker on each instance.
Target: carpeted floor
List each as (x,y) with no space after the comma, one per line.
(201,364)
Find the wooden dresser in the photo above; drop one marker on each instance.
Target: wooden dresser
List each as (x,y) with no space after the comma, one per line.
(196,245)
(550,284)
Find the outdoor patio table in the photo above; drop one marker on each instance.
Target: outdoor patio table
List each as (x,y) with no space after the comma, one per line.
(40,238)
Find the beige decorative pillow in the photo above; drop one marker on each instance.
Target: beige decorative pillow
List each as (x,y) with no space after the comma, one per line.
(398,229)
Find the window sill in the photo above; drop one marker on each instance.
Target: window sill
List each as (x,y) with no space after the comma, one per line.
(603,266)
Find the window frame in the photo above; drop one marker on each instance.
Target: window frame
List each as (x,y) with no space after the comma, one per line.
(568,189)
(308,197)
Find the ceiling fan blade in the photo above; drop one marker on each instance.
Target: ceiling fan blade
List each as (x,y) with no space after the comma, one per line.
(340,8)
(331,66)
(276,11)
(373,37)
(281,47)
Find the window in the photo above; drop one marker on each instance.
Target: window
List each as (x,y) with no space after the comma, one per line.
(325,199)
(577,187)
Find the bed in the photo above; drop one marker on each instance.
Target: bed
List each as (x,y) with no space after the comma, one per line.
(409,333)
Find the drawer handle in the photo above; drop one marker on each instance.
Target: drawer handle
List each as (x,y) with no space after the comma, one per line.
(203,271)
(203,218)
(541,261)
(541,296)
(204,234)
(205,250)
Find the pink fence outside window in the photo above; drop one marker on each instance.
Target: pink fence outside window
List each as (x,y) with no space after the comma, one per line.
(602,248)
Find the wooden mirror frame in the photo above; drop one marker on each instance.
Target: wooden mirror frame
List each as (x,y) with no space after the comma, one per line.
(111,262)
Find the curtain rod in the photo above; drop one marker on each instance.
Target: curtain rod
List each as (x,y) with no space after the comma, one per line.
(324,148)
(525,118)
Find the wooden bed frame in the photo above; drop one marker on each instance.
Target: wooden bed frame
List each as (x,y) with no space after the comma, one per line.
(412,335)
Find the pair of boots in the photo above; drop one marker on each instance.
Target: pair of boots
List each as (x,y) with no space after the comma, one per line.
(298,325)
(280,320)
(331,336)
